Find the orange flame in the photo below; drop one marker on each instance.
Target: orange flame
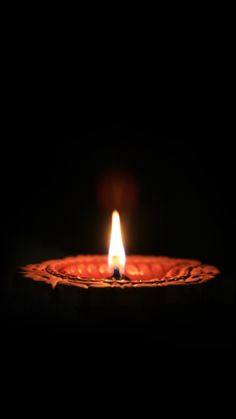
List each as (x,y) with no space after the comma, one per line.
(116,256)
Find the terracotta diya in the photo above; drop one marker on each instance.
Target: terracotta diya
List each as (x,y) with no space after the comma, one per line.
(117,271)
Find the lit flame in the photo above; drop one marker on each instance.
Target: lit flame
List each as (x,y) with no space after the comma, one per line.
(116,256)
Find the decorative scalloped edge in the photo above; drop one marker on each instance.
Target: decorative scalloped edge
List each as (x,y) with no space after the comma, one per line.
(176,272)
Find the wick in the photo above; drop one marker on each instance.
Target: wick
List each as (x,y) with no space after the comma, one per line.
(116,274)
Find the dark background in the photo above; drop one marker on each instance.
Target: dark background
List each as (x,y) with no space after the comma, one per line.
(174,189)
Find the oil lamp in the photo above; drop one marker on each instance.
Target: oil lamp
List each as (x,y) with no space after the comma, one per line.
(119,271)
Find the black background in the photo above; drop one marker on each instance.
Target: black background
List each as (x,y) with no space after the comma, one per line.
(183,183)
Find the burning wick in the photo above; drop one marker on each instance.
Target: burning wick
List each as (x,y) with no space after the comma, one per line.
(116,274)
(116,255)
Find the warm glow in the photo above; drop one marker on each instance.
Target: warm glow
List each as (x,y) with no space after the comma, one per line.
(116,256)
